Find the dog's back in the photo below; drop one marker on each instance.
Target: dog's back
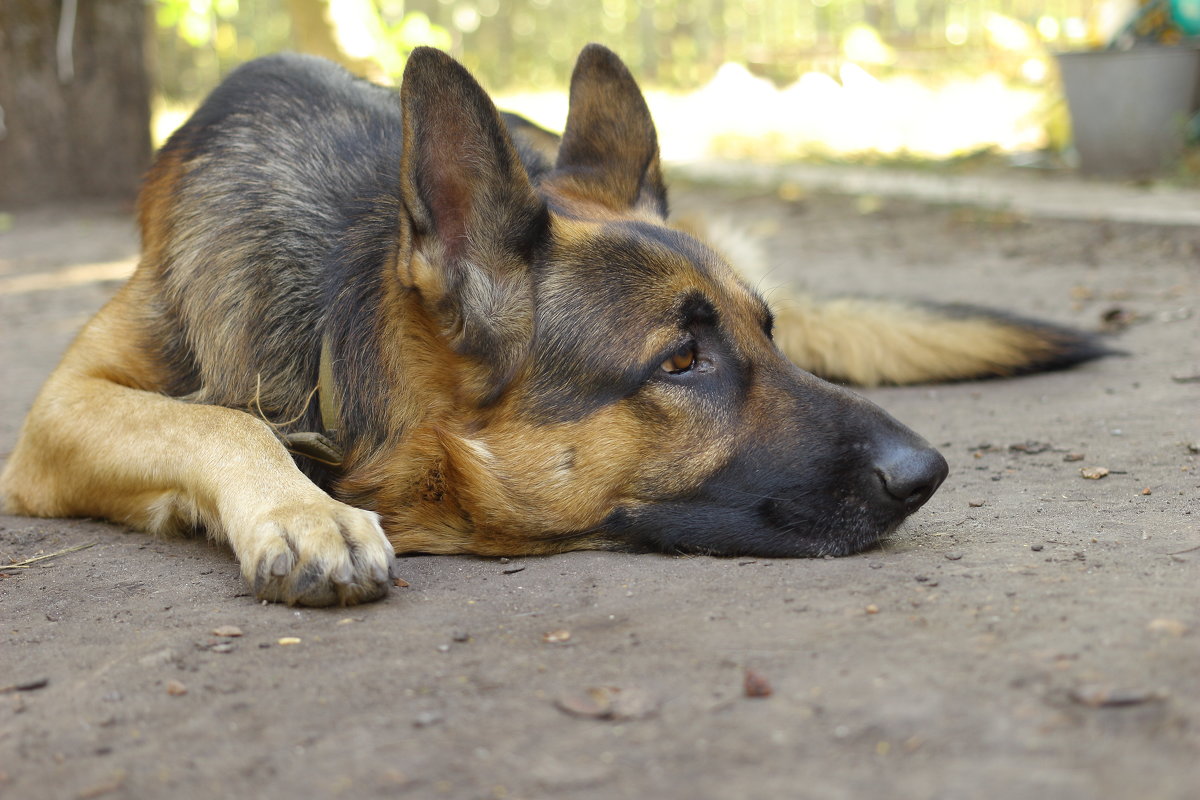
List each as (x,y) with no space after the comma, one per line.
(245,217)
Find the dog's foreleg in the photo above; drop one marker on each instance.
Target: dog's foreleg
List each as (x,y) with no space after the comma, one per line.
(92,447)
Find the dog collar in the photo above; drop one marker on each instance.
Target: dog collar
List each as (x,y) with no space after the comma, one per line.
(330,400)
(319,445)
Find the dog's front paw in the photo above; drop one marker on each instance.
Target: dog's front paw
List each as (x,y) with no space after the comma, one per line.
(318,553)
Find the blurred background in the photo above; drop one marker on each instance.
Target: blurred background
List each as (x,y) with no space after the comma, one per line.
(911,81)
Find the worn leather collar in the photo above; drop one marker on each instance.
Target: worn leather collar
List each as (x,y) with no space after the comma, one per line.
(320,445)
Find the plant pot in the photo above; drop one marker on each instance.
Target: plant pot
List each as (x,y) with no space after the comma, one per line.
(1130,108)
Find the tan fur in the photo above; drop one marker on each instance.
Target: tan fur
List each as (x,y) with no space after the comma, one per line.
(101,441)
(488,482)
(500,348)
(871,342)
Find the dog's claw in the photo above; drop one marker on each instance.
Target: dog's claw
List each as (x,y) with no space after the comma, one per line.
(281,566)
(342,575)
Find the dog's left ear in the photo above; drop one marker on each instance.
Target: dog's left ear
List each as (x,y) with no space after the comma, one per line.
(609,150)
(474,215)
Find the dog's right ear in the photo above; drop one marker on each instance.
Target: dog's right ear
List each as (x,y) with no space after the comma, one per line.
(475,216)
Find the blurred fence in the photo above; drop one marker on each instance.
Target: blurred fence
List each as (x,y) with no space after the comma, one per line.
(681,43)
(522,44)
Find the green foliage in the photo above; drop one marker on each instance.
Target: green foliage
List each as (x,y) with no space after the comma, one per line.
(198,41)
(416,30)
(677,44)
(194,20)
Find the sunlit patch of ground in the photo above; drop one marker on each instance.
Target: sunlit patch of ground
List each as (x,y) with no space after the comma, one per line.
(740,115)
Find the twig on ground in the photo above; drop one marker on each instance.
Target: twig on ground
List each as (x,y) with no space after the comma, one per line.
(31,561)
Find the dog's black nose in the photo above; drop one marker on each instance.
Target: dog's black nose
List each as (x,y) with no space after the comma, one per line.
(910,474)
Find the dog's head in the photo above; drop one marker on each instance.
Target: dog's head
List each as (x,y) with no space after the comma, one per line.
(616,381)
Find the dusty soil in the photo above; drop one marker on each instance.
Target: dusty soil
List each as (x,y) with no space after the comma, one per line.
(1030,633)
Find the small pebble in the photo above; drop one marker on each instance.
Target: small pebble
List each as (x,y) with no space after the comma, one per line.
(1146,491)
(223,647)
(461,636)
(1094,473)
(872,609)
(953,556)
(755,684)
(556,637)
(975,503)
(427,718)
(175,688)
(1037,548)
(1073,457)
(289,640)
(228,631)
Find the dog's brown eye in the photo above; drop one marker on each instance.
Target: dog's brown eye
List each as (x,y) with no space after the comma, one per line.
(681,360)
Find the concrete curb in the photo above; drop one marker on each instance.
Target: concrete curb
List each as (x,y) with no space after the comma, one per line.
(1040,196)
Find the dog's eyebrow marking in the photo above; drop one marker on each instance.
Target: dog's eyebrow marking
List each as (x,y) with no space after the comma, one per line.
(696,309)
(702,259)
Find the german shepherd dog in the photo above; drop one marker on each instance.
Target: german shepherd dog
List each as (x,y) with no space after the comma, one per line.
(366,323)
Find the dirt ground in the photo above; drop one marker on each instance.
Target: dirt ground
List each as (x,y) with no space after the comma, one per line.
(1029,633)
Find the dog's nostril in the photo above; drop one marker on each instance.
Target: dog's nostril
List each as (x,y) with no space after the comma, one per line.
(911,476)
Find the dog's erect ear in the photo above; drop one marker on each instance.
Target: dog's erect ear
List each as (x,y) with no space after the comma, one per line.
(475,216)
(609,149)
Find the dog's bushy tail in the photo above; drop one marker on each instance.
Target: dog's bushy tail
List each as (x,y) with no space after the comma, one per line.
(871,341)
(868,342)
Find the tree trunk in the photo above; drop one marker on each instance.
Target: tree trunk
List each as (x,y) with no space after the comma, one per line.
(74,99)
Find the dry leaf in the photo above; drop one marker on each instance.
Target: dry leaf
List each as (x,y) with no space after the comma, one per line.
(1172,627)
(609,703)
(755,684)
(1093,473)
